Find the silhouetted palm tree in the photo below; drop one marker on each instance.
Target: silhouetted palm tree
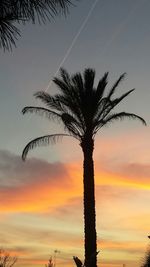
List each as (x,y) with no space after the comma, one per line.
(83,111)
(12,11)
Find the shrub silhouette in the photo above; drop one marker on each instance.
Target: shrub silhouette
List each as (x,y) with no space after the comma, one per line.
(6,260)
(146,260)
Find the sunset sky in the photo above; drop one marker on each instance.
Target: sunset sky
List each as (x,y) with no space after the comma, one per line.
(41,199)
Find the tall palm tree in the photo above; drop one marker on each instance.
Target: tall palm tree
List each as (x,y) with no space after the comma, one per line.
(12,11)
(83,110)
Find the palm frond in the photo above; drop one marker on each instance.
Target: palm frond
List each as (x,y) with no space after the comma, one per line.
(67,118)
(101,86)
(64,82)
(121,116)
(65,76)
(51,101)
(119,99)
(12,11)
(41,141)
(89,76)
(103,106)
(59,6)
(71,103)
(72,125)
(42,111)
(78,83)
(8,33)
(41,10)
(62,86)
(106,105)
(111,104)
(112,90)
(72,98)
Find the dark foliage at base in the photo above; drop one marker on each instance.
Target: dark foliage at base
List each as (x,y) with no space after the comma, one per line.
(6,260)
(146,260)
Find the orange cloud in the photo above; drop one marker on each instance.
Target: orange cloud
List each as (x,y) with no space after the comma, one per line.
(38,186)
(38,197)
(34,186)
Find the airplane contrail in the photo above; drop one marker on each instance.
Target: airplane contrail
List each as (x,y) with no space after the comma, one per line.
(116,33)
(73,41)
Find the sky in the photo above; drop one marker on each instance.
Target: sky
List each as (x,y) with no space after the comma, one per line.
(41,206)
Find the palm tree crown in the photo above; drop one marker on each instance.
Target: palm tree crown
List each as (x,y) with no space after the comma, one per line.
(82,108)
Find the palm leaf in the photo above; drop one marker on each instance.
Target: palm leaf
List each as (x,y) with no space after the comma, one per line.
(41,9)
(72,104)
(114,117)
(72,98)
(59,6)
(102,107)
(119,99)
(62,86)
(89,76)
(72,125)
(78,83)
(121,78)
(42,111)
(8,33)
(121,116)
(12,11)
(50,101)
(110,104)
(65,76)
(101,87)
(106,105)
(41,141)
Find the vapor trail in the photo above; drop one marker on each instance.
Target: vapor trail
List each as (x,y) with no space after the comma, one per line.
(74,41)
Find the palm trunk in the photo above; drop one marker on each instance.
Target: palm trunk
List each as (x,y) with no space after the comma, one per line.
(89,204)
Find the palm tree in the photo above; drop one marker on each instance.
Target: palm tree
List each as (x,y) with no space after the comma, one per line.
(12,11)
(83,110)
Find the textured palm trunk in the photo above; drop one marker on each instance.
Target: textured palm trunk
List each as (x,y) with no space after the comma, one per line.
(89,204)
